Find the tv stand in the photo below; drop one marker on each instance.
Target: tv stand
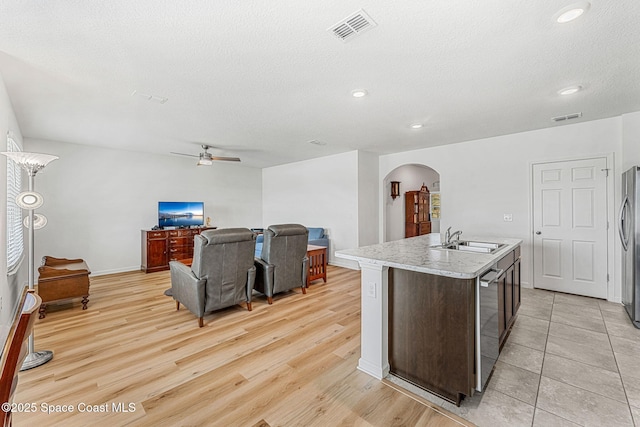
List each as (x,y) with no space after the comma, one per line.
(159,247)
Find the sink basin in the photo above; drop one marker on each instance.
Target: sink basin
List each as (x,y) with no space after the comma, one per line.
(466,248)
(471,246)
(487,245)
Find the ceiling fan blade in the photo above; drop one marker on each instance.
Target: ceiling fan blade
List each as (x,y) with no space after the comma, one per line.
(228,159)
(183,154)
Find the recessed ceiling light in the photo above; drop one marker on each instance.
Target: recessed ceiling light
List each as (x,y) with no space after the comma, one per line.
(358,93)
(570,90)
(571,12)
(417,126)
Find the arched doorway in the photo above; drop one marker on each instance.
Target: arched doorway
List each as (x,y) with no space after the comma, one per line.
(411,177)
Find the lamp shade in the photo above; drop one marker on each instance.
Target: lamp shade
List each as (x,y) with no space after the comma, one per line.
(29,200)
(39,221)
(31,162)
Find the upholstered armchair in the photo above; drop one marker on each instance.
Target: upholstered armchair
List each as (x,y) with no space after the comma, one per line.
(222,273)
(283,263)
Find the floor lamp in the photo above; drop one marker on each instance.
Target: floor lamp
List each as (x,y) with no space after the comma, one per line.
(30,200)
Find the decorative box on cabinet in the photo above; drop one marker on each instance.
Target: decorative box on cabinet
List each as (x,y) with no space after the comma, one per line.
(161,246)
(416,211)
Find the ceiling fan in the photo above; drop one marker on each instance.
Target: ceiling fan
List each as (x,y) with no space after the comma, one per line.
(207,159)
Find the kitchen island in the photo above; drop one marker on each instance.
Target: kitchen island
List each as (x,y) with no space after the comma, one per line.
(426,316)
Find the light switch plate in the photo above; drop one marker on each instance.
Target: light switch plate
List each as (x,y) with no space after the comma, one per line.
(371,289)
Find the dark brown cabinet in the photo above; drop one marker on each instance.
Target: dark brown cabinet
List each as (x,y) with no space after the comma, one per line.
(508,292)
(432,332)
(161,246)
(154,251)
(432,326)
(516,283)
(416,212)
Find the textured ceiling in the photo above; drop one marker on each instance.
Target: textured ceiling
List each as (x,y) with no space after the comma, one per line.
(259,79)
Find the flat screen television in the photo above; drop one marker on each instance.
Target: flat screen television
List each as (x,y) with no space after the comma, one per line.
(180,214)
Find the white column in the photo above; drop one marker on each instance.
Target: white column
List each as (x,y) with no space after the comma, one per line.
(374,333)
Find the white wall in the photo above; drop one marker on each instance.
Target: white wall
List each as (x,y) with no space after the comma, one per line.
(97,200)
(484,179)
(320,192)
(367,198)
(411,178)
(630,140)
(10,286)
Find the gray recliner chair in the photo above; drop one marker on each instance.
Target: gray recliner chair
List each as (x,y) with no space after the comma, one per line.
(222,273)
(283,263)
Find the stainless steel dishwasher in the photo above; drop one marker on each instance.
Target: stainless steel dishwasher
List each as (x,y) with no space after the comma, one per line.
(487,332)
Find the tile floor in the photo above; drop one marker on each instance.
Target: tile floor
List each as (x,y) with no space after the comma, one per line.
(569,361)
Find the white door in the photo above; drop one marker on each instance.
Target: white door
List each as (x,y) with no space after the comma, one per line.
(570,227)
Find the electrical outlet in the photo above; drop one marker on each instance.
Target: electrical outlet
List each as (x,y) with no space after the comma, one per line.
(371,289)
(508,217)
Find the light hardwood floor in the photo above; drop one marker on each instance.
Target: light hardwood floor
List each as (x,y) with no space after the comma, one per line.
(289,364)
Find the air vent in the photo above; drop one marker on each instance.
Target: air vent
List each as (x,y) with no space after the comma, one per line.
(151,98)
(567,117)
(351,26)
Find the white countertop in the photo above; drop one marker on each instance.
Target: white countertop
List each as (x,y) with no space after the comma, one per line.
(417,254)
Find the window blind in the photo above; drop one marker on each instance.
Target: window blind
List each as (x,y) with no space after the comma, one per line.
(15,235)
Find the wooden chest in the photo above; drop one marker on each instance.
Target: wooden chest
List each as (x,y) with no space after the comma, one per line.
(62,278)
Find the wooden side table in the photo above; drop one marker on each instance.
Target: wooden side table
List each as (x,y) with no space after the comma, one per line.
(317,263)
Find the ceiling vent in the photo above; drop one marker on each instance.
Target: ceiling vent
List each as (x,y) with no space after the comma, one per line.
(567,117)
(351,26)
(151,98)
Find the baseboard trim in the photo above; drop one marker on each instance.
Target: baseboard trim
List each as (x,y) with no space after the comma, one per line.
(114,271)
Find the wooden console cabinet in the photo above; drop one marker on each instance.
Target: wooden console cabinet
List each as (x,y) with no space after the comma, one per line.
(416,211)
(161,246)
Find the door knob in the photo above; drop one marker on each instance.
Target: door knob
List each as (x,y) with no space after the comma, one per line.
(538,232)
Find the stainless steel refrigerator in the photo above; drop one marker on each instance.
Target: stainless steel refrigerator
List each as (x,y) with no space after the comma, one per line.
(629,230)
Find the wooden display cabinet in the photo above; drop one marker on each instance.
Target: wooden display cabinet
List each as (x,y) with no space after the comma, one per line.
(416,212)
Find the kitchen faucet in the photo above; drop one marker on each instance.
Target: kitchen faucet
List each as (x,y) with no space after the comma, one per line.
(448,236)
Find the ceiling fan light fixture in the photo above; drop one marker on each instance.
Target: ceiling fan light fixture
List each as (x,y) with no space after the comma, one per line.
(205,159)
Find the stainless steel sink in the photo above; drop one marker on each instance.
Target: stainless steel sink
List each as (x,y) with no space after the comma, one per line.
(471,246)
